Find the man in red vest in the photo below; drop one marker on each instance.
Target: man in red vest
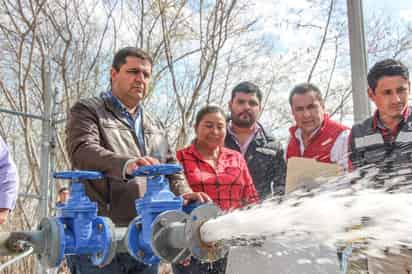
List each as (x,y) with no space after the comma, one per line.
(315,135)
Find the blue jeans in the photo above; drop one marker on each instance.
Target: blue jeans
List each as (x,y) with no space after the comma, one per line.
(122,263)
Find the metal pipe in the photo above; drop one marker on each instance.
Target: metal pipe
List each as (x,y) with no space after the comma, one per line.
(4,250)
(17,258)
(176,235)
(120,238)
(45,144)
(359,63)
(12,243)
(19,113)
(36,239)
(29,195)
(52,159)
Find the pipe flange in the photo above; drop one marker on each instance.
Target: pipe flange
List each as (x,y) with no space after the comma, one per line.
(206,252)
(160,236)
(106,228)
(52,244)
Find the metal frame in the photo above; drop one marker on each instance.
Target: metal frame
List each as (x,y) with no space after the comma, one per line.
(46,153)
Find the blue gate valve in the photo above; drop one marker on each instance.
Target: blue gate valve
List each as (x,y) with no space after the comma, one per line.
(77,229)
(164,228)
(157,199)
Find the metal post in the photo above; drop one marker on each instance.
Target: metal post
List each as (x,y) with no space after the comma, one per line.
(45,147)
(45,154)
(361,104)
(53,138)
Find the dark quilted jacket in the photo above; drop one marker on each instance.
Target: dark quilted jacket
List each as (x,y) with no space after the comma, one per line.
(266,163)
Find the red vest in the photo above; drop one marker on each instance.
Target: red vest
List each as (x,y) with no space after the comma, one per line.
(320,145)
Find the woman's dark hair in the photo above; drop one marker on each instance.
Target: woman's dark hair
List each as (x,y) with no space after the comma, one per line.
(207,110)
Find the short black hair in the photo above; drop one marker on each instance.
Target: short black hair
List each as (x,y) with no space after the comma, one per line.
(247,87)
(121,55)
(63,189)
(387,67)
(207,110)
(305,88)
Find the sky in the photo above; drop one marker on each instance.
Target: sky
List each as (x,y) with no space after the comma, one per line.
(398,8)
(277,12)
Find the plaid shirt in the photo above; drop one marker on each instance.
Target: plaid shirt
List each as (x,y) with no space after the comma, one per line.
(388,135)
(229,184)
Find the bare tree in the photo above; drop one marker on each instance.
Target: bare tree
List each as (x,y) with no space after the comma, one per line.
(42,39)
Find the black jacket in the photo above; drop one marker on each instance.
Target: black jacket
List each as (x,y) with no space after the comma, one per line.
(266,163)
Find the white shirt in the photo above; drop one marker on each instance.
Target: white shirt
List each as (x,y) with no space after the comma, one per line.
(245,146)
(339,153)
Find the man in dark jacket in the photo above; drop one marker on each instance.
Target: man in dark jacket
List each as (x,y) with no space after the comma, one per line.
(113,134)
(385,140)
(263,154)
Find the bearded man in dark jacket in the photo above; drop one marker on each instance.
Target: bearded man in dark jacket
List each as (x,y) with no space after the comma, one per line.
(263,154)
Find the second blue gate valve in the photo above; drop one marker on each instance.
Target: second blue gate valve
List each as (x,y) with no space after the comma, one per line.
(157,199)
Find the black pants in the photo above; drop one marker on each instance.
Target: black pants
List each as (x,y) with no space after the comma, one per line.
(122,263)
(197,267)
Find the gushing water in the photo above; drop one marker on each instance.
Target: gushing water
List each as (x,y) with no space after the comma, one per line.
(377,208)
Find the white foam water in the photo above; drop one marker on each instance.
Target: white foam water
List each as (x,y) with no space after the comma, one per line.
(339,211)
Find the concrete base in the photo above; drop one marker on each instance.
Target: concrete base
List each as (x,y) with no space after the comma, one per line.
(274,258)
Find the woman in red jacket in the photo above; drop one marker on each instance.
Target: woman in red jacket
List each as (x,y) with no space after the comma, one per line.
(220,172)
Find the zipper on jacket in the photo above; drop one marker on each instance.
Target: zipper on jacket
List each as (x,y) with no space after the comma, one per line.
(109,191)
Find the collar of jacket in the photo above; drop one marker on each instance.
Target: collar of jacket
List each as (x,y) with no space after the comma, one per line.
(317,132)
(261,136)
(148,122)
(377,123)
(116,110)
(109,104)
